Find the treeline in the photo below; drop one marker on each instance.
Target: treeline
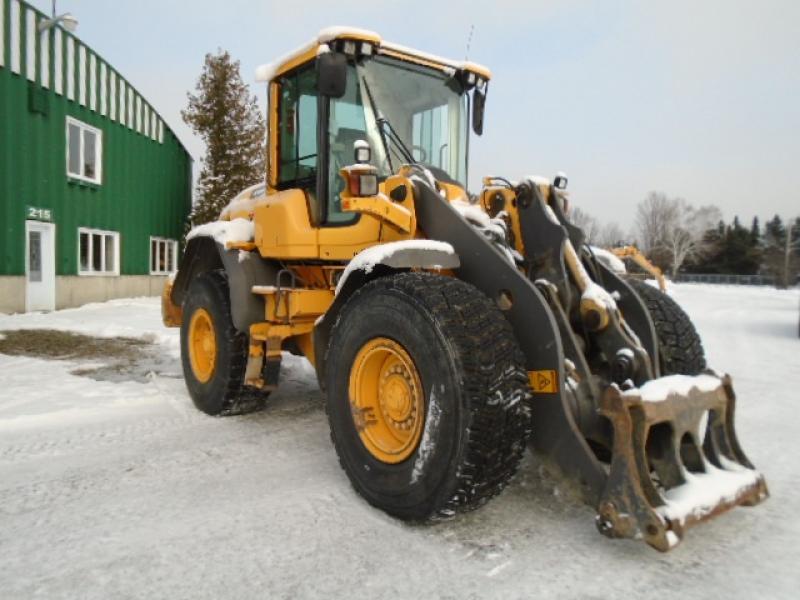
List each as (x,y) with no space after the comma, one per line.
(732,248)
(679,237)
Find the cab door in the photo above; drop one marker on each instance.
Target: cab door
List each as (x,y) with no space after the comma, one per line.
(286,224)
(342,234)
(315,135)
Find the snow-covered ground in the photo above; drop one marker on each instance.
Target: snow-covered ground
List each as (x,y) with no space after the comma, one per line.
(122,489)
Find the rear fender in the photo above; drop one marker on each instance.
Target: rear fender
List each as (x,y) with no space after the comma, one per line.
(244,270)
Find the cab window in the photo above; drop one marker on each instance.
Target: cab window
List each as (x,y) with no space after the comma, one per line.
(298,130)
(346,125)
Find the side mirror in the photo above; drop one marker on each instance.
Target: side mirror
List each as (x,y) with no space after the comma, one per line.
(478,105)
(332,74)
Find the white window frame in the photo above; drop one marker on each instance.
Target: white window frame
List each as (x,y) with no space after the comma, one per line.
(166,242)
(98,179)
(91,272)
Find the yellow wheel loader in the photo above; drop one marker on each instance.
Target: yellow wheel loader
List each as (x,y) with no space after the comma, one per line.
(448,331)
(635,255)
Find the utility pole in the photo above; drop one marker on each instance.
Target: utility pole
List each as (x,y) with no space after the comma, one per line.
(787,252)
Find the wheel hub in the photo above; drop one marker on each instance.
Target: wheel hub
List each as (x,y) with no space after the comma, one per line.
(202,345)
(387,400)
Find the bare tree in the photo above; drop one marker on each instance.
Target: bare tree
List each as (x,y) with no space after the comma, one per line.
(652,215)
(781,249)
(684,230)
(589,225)
(611,235)
(672,228)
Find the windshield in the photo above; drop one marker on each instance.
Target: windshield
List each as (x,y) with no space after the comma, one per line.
(426,108)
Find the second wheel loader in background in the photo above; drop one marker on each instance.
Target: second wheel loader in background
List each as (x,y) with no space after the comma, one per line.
(636,256)
(448,331)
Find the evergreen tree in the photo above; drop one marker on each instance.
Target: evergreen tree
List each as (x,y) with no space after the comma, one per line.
(796,237)
(778,254)
(774,232)
(755,232)
(226,116)
(740,255)
(731,250)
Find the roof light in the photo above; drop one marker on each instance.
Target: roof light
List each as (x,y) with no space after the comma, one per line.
(362,152)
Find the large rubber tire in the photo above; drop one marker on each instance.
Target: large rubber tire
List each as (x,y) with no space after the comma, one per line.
(475,386)
(224,393)
(679,346)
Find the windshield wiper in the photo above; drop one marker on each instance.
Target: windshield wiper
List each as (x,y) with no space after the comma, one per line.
(387,132)
(385,126)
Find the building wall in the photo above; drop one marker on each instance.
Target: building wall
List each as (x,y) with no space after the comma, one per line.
(146,172)
(73,291)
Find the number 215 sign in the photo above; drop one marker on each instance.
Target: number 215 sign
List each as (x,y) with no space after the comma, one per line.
(39,214)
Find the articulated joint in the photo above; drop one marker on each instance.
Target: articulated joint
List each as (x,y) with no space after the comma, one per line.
(593,314)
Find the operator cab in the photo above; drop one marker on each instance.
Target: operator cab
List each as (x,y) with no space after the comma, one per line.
(349,85)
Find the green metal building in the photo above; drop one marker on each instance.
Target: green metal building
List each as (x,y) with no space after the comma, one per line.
(95,189)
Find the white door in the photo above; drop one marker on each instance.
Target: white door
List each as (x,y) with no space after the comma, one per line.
(40,266)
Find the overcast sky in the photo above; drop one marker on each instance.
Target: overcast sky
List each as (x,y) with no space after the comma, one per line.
(699,99)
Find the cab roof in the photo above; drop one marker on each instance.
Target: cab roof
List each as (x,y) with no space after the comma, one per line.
(365,42)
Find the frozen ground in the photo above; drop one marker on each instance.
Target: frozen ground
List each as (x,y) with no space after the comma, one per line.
(115,489)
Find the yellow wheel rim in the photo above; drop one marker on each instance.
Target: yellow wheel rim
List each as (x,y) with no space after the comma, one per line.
(386,400)
(202,345)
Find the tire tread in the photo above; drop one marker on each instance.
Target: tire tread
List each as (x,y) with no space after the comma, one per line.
(487,355)
(680,347)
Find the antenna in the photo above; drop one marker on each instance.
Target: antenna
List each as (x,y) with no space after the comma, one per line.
(469,41)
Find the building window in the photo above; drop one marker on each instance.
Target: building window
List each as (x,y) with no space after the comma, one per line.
(98,252)
(163,256)
(84,151)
